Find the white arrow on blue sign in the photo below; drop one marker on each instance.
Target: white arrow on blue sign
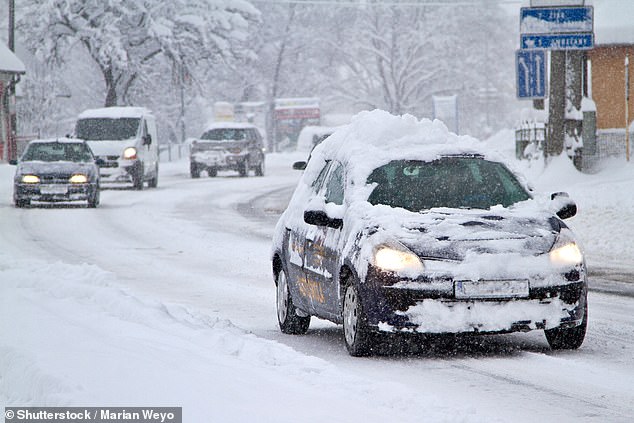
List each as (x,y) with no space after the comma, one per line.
(531,74)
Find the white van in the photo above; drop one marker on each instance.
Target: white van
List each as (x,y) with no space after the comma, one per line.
(125,140)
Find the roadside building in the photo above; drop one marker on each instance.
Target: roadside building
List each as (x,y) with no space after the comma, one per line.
(11,67)
(614,43)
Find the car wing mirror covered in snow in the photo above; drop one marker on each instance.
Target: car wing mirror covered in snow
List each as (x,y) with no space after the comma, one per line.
(563,205)
(299,165)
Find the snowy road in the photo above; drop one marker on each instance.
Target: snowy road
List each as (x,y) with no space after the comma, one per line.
(165,297)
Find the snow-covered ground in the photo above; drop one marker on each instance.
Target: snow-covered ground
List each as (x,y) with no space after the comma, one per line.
(165,298)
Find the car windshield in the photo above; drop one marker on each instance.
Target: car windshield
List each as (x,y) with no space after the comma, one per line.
(455,182)
(58,152)
(225,134)
(102,129)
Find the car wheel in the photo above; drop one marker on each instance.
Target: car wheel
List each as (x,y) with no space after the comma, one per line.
(356,333)
(244,168)
(137,178)
(287,317)
(259,170)
(22,202)
(212,172)
(194,171)
(153,183)
(568,338)
(93,200)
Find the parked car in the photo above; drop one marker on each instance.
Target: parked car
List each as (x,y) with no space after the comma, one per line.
(398,226)
(56,170)
(125,139)
(228,146)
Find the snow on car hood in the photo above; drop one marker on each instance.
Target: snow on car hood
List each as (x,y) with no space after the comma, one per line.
(54,168)
(460,244)
(110,148)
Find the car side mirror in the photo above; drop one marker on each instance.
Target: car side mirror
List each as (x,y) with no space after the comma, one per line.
(564,206)
(13,162)
(147,139)
(299,165)
(320,218)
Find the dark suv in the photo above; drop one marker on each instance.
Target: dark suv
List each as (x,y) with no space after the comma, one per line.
(228,146)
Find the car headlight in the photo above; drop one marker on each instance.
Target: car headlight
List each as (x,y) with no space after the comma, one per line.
(129,153)
(565,251)
(395,257)
(78,178)
(30,179)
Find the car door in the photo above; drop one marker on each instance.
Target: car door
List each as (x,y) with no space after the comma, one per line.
(321,255)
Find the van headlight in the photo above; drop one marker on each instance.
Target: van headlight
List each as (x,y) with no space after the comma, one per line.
(129,153)
(30,179)
(565,251)
(395,257)
(78,178)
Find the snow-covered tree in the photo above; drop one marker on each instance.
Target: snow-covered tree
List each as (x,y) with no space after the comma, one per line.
(126,38)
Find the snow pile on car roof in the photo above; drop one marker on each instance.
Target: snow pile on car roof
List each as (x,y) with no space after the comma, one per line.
(114,112)
(377,137)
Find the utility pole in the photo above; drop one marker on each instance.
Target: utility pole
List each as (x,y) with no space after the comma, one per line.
(627,107)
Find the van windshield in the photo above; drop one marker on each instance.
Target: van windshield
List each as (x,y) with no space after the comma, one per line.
(101,129)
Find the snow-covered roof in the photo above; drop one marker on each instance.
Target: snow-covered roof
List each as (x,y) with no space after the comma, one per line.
(237,125)
(60,140)
(377,137)
(9,62)
(115,112)
(613,21)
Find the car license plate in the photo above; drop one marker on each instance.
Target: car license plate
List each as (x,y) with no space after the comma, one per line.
(491,289)
(53,189)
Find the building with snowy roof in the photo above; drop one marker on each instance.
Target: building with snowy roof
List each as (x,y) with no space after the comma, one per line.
(11,67)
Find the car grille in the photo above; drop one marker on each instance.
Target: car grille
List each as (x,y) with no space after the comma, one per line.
(55,179)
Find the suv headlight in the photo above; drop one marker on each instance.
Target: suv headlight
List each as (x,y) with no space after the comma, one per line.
(129,153)
(78,178)
(565,251)
(30,179)
(395,257)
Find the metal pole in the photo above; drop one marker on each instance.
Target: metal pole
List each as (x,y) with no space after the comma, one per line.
(627,107)
(12,25)
(182,117)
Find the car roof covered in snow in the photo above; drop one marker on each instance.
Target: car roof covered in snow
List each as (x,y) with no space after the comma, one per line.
(59,140)
(229,124)
(115,112)
(375,138)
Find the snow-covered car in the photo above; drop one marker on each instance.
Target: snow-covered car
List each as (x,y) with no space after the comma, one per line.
(399,226)
(56,170)
(228,146)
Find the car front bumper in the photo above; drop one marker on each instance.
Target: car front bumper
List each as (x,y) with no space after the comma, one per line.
(54,192)
(432,306)
(218,160)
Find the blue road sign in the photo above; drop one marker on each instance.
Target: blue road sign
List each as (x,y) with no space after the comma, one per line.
(556,20)
(557,41)
(531,74)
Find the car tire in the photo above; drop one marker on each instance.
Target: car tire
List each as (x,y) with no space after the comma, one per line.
(290,322)
(153,183)
(356,333)
(137,178)
(22,202)
(93,199)
(244,168)
(212,172)
(568,338)
(194,171)
(259,169)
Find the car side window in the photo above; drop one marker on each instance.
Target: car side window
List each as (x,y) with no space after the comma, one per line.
(335,185)
(317,183)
